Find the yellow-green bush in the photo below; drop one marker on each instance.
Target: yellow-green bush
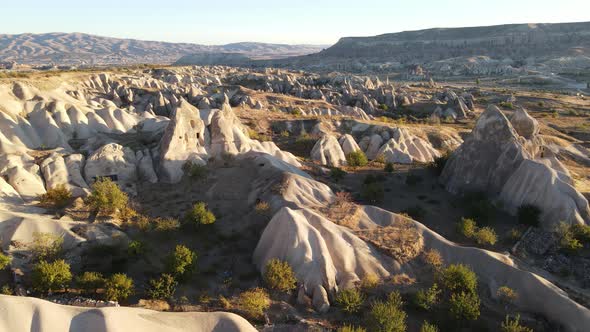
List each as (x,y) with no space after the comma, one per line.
(279,275)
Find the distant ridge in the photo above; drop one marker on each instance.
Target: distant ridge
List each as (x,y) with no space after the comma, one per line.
(85,49)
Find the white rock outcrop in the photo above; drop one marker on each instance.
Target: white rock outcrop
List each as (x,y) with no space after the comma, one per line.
(328,152)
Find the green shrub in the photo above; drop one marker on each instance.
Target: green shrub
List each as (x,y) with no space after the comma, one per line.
(337,173)
(280,276)
(458,277)
(4,261)
(467,227)
(581,232)
(46,246)
(47,277)
(506,104)
(427,299)
(296,112)
(57,198)
(165,224)
(373,192)
(118,287)
(427,327)
(90,282)
(486,236)
(305,142)
(254,302)
(162,288)
(6,290)
(135,248)
(194,170)
(357,159)
(200,215)
(106,197)
(506,295)
(181,261)
(350,300)
(389,168)
(568,241)
(387,316)
(350,328)
(529,215)
(433,258)
(513,325)
(465,305)
(383,107)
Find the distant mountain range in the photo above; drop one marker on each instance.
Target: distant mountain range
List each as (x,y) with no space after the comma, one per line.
(84,49)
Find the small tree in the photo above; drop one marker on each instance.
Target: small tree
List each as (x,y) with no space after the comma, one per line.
(90,282)
(162,288)
(280,276)
(350,300)
(433,258)
(106,197)
(506,295)
(4,261)
(118,287)
(427,299)
(135,248)
(465,305)
(200,215)
(427,327)
(467,227)
(513,325)
(46,246)
(350,328)
(181,261)
(356,159)
(486,236)
(56,198)
(47,277)
(458,277)
(254,302)
(387,316)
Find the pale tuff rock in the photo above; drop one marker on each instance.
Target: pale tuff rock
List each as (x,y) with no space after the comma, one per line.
(56,172)
(348,144)
(405,148)
(537,184)
(145,166)
(183,141)
(8,195)
(112,159)
(498,160)
(524,124)
(373,145)
(28,184)
(328,152)
(62,318)
(50,135)
(322,254)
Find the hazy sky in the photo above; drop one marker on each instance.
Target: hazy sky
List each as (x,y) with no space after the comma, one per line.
(276,21)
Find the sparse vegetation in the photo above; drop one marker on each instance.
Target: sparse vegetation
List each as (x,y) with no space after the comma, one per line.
(427,298)
(433,258)
(350,328)
(568,239)
(427,327)
(387,316)
(90,282)
(467,227)
(182,261)
(513,325)
(106,197)
(357,159)
(118,287)
(506,295)
(370,281)
(279,275)
(6,290)
(48,277)
(195,171)
(507,105)
(4,261)
(458,278)
(46,246)
(486,236)
(56,198)
(465,305)
(254,302)
(262,207)
(200,215)
(350,300)
(162,288)
(165,224)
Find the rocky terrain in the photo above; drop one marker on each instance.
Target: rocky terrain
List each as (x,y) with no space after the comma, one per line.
(355,183)
(78,49)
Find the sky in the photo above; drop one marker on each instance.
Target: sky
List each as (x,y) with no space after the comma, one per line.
(323,22)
